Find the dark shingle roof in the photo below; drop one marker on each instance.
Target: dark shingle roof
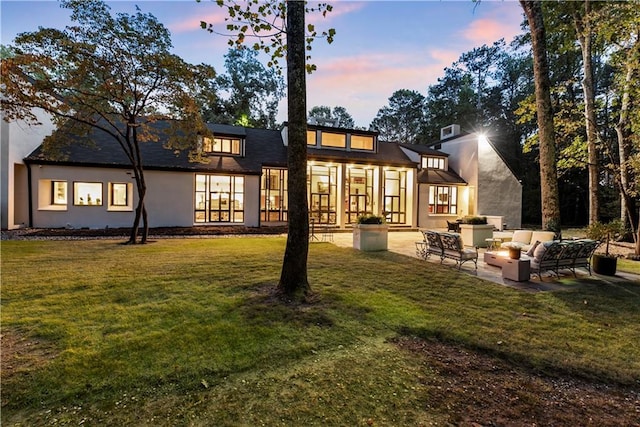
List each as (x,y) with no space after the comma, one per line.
(262,148)
(423,149)
(439,176)
(388,154)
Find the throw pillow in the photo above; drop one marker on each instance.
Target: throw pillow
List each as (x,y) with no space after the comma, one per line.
(539,251)
(532,249)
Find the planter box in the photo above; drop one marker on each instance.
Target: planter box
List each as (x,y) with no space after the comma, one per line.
(370,237)
(603,264)
(475,235)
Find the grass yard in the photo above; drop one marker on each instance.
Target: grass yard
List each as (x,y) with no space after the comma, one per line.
(187,332)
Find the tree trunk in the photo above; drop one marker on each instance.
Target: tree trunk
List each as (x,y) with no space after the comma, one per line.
(623,151)
(548,169)
(585,38)
(293,278)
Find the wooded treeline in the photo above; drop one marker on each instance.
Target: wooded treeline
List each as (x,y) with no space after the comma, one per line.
(593,56)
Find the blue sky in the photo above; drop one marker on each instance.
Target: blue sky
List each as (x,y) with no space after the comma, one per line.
(380,46)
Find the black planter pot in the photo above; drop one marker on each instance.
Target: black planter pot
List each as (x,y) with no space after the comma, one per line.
(605,265)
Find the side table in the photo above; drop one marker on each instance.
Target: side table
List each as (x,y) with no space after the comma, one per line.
(516,269)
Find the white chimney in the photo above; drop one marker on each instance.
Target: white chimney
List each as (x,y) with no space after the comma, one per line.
(449,131)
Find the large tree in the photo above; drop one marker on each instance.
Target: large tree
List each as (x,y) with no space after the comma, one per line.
(279,28)
(403,119)
(339,116)
(546,138)
(249,92)
(107,73)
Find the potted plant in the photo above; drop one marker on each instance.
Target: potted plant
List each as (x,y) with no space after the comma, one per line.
(370,233)
(605,263)
(515,249)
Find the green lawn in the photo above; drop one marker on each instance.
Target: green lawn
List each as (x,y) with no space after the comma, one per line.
(186,332)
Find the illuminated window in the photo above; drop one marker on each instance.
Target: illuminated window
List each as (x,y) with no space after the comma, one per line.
(87,193)
(221,145)
(433,162)
(273,195)
(323,202)
(311,137)
(118,192)
(443,200)
(395,196)
(338,140)
(219,198)
(361,142)
(58,192)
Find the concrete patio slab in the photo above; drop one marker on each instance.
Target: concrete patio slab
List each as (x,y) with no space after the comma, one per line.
(403,242)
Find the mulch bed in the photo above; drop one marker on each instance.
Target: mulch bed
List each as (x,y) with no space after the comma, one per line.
(476,389)
(41,233)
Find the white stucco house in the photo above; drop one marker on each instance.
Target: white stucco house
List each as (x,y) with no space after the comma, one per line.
(18,140)
(244,181)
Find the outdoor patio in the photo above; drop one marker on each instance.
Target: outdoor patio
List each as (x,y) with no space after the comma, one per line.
(403,242)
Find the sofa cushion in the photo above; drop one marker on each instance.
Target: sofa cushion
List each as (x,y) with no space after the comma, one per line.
(522,236)
(541,236)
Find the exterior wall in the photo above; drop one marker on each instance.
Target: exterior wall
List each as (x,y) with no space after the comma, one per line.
(464,160)
(493,189)
(169,200)
(499,191)
(17,140)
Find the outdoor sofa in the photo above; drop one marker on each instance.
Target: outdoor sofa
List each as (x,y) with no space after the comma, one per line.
(556,255)
(526,239)
(446,245)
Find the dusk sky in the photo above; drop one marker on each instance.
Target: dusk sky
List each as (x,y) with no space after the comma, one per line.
(380,46)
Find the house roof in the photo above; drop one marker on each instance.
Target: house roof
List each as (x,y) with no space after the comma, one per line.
(263,148)
(388,154)
(424,150)
(439,176)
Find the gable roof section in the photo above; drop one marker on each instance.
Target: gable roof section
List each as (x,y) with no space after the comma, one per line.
(388,154)
(439,176)
(490,139)
(423,150)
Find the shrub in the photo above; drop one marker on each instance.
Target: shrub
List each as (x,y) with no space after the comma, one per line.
(474,220)
(371,219)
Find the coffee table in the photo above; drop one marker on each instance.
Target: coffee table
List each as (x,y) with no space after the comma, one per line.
(518,270)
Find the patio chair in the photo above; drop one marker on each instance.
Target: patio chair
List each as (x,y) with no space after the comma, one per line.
(453,226)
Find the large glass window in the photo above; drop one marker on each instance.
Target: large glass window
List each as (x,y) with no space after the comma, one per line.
(322,193)
(338,140)
(222,145)
(87,193)
(395,196)
(273,195)
(443,200)
(219,198)
(58,192)
(359,191)
(362,142)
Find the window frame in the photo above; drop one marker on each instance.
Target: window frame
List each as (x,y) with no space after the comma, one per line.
(100,200)
(234,145)
(435,205)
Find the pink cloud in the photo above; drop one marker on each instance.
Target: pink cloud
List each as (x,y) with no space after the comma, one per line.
(193,23)
(363,84)
(486,31)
